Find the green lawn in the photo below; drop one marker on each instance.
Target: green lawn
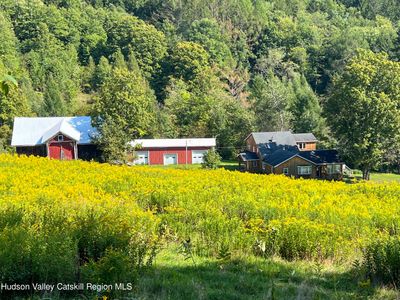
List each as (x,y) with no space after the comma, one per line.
(385,177)
(174,277)
(379,177)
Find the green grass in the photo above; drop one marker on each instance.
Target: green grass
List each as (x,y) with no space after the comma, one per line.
(379,177)
(385,177)
(174,277)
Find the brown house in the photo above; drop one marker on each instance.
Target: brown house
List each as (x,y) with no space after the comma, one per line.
(290,154)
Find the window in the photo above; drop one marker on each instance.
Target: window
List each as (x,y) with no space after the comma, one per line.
(301,145)
(304,170)
(254,164)
(334,169)
(286,171)
(60,138)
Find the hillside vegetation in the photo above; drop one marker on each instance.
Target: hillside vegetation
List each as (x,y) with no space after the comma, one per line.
(208,68)
(90,222)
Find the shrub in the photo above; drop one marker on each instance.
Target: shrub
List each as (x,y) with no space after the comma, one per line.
(382,260)
(211,159)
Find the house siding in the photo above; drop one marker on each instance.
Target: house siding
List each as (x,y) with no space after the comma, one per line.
(292,165)
(156,155)
(251,144)
(308,146)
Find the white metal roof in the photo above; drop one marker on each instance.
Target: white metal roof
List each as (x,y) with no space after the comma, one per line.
(36,131)
(61,127)
(171,143)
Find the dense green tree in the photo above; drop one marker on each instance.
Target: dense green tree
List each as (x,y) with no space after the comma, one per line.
(13,103)
(306,110)
(364,109)
(118,60)
(9,56)
(207,33)
(188,60)
(53,101)
(270,100)
(102,71)
(124,110)
(128,33)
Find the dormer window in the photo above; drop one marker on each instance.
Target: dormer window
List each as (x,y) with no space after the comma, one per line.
(301,145)
(60,138)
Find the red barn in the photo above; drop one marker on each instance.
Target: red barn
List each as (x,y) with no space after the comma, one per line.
(172,151)
(64,138)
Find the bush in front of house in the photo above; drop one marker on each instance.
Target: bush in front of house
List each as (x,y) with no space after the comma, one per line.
(211,159)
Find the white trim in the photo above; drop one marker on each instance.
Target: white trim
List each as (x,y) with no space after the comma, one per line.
(176,155)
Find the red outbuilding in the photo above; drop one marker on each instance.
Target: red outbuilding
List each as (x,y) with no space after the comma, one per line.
(69,138)
(172,151)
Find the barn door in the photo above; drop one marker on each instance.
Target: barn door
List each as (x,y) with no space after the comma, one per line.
(63,151)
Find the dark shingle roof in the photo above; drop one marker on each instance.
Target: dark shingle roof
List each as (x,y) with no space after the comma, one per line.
(248,156)
(277,137)
(278,157)
(305,137)
(321,156)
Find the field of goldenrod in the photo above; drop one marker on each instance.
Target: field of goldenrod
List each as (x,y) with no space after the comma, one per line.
(78,220)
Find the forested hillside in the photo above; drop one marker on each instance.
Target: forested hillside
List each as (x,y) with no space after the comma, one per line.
(188,68)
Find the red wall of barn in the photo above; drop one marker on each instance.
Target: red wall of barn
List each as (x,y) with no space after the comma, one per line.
(156,155)
(67,146)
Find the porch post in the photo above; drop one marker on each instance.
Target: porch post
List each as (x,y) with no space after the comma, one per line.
(47,149)
(75,150)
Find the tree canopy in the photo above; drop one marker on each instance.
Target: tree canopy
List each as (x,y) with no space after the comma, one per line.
(364,109)
(212,68)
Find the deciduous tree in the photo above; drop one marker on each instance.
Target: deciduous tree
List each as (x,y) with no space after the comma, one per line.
(363,109)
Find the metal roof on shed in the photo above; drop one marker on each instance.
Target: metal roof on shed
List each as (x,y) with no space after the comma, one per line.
(36,131)
(171,143)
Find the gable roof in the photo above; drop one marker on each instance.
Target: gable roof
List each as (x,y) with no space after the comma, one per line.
(61,127)
(171,143)
(278,157)
(36,131)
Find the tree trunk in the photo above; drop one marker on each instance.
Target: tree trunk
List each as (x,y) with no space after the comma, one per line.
(366,174)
